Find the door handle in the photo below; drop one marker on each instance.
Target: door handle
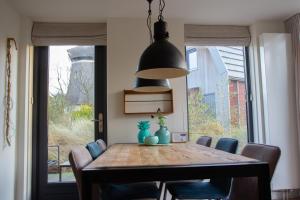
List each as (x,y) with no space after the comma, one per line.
(100,122)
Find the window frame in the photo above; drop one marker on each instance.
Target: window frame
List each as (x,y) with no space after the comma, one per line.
(188,52)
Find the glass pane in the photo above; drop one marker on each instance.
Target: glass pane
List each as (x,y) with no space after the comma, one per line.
(70,106)
(217,93)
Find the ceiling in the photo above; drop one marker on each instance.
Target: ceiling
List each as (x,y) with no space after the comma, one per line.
(229,12)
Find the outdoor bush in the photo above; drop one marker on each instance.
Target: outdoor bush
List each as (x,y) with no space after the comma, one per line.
(85,112)
(202,122)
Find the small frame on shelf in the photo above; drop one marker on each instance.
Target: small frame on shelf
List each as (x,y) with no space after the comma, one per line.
(148,102)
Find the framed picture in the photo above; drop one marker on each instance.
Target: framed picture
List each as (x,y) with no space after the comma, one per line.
(179,137)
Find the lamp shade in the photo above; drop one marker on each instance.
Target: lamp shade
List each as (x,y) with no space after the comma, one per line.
(161,60)
(151,85)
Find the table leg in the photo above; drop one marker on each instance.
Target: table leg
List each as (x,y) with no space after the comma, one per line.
(264,184)
(87,189)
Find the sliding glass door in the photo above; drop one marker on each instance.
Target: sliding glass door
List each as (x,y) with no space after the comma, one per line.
(70,110)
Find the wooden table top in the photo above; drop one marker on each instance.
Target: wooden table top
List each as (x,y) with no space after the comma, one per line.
(135,155)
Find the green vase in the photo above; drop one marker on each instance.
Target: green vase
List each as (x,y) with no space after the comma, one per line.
(163,135)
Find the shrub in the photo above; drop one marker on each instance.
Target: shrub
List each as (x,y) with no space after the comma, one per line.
(85,112)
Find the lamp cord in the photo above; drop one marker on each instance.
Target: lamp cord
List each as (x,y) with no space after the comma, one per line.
(149,21)
(162,5)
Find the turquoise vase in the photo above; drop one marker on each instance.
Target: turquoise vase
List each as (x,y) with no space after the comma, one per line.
(144,131)
(142,135)
(163,135)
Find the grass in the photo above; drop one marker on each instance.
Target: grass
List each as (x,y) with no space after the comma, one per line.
(68,135)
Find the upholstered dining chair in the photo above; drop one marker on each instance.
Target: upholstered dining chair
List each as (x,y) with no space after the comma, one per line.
(96,148)
(227,144)
(204,141)
(217,188)
(101,144)
(80,157)
(246,188)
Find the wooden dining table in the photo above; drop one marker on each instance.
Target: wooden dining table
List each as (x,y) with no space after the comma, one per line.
(124,163)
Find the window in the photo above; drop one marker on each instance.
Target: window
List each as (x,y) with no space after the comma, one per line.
(217,93)
(192,59)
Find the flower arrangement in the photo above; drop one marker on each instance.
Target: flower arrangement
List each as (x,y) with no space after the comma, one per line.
(161,119)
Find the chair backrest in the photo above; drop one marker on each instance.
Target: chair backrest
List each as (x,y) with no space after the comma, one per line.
(246,188)
(79,157)
(227,144)
(204,141)
(101,144)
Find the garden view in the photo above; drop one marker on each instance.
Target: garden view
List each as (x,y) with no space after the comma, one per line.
(70,109)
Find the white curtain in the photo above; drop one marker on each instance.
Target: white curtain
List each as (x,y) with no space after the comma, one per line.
(204,35)
(293,27)
(45,34)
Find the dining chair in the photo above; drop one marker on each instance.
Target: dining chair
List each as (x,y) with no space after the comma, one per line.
(80,157)
(246,188)
(227,144)
(217,188)
(101,144)
(204,141)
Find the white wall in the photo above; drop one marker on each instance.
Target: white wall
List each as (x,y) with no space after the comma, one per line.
(279,105)
(255,72)
(9,27)
(127,38)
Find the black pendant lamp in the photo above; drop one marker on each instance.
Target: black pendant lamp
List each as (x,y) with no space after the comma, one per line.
(151,85)
(161,60)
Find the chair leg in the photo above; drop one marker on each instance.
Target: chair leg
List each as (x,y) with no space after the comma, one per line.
(161,185)
(165,193)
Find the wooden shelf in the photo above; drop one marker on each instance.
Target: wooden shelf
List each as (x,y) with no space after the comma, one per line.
(148,102)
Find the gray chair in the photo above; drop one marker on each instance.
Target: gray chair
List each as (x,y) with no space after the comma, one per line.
(204,141)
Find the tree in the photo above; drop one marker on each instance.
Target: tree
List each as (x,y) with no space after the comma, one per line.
(201,120)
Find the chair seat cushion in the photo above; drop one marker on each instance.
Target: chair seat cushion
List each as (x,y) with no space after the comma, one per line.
(195,190)
(131,191)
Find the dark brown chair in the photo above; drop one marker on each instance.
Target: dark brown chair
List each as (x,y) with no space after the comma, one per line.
(79,157)
(204,141)
(247,188)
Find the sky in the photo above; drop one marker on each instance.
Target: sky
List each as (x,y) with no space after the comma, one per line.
(59,63)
